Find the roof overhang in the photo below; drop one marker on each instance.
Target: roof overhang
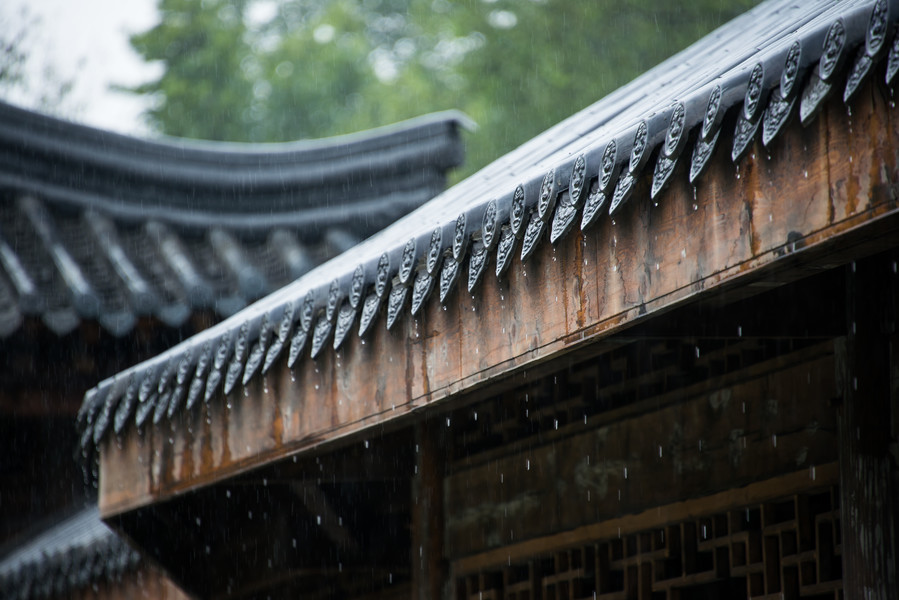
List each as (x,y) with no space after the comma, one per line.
(820,197)
(807,181)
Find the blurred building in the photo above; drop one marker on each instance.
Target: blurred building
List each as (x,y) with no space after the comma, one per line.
(114,249)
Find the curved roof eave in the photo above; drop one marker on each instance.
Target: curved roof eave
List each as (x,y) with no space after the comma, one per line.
(777,60)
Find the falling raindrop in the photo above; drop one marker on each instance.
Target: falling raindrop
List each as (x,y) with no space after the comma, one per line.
(774,440)
(739,331)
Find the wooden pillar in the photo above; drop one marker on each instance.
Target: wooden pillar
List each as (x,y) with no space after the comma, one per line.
(429,568)
(867,497)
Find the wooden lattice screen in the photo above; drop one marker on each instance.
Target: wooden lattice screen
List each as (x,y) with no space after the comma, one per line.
(788,548)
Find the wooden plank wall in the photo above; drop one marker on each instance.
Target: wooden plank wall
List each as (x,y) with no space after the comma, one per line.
(777,420)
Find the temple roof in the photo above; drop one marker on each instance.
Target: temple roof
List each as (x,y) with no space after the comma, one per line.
(96,225)
(741,83)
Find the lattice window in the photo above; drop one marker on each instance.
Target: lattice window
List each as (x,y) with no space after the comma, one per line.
(789,548)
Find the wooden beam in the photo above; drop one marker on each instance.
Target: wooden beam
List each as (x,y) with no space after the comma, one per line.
(867,470)
(429,567)
(752,430)
(754,493)
(819,197)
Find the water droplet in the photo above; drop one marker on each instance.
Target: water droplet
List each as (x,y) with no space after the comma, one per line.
(812,473)
(697,351)
(805,173)
(774,440)
(447,421)
(528,464)
(739,331)
(683,253)
(625,472)
(293,376)
(366,443)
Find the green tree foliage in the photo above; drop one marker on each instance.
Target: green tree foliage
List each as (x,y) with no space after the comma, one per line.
(260,70)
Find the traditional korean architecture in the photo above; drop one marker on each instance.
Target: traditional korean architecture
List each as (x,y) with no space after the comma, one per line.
(112,250)
(649,354)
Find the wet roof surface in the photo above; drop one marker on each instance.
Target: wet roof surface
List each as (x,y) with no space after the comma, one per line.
(67,556)
(778,61)
(95,225)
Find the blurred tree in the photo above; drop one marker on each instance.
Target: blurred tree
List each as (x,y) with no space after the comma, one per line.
(261,70)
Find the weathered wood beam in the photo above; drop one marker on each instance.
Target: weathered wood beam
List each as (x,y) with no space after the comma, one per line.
(754,493)
(748,431)
(825,195)
(868,500)
(429,567)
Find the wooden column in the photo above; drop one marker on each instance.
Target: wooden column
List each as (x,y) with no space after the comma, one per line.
(868,509)
(429,567)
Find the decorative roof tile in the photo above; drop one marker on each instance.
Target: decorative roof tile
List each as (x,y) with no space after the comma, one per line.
(70,555)
(94,225)
(756,69)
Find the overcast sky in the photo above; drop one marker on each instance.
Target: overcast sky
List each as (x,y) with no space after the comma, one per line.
(86,41)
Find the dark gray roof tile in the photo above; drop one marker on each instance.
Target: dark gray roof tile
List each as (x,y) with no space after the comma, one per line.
(749,75)
(94,225)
